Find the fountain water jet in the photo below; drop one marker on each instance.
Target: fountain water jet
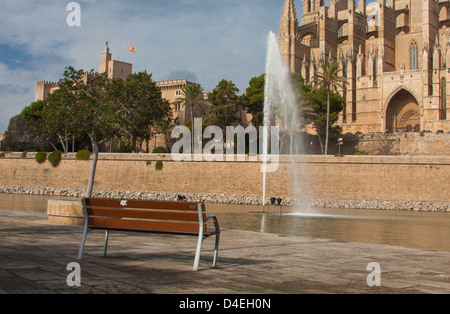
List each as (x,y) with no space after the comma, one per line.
(280,109)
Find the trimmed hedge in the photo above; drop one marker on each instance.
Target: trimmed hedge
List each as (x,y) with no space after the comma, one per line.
(159,150)
(54,158)
(159,165)
(83,154)
(41,157)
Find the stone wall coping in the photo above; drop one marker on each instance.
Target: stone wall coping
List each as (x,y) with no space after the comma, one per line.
(409,159)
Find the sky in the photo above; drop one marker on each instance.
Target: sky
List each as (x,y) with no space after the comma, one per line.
(204,41)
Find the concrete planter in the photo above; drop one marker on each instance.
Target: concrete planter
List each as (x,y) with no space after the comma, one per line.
(65,212)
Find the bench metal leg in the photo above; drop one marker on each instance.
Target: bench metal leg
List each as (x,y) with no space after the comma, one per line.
(216,249)
(198,252)
(83,241)
(105,247)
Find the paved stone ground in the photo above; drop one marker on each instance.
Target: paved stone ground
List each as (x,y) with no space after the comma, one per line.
(34,256)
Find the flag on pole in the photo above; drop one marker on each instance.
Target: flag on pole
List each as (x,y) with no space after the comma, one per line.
(132,49)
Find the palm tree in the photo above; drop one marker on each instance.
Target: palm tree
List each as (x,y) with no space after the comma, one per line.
(190,99)
(329,79)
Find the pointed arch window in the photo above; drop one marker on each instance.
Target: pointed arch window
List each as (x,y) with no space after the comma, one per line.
(413,55)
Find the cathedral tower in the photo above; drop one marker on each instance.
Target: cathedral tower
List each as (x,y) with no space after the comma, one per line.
(288,39)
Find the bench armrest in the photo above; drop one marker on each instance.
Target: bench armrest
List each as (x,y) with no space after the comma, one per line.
(216,223)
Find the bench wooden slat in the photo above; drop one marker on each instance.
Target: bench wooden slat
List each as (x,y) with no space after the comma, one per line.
(182,218)
(145,214)
(129,224)
(166,205)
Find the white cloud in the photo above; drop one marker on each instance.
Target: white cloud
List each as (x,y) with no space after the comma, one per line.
(211,39)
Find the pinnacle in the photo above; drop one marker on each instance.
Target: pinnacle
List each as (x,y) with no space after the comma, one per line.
(289,10)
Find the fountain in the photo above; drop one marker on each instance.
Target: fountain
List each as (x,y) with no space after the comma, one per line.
(280,109)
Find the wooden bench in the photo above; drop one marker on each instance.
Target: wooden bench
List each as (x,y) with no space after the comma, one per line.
(179,218)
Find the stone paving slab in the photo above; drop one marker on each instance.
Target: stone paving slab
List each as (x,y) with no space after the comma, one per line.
(34,255)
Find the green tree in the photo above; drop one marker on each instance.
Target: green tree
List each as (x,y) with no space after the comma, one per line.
(21,136)
(315,108)
(190,99)
(140,105)
(307,112)
(253,100)
(82,105)
(225,104)
(328,78)
(96,116)
(165,126)
(34,116)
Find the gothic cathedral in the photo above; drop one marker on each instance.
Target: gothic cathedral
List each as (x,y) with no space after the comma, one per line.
(395,55)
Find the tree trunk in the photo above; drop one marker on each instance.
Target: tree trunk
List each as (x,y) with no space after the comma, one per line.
(328,121)
(63,144)
(321,144)
(67,143)
(192,128)
(90,186)
(133,143)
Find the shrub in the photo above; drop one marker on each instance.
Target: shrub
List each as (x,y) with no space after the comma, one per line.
(25,153)
(159,150)
(54,158)
(2,155)
(123,149)
(83,154)
(159,165)
(41,157)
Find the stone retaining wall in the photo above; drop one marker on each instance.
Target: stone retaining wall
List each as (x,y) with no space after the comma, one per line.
(375,182)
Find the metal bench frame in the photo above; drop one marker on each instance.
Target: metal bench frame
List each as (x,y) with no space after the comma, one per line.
(201,234)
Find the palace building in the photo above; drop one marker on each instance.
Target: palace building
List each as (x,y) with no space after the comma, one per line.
(170,90)
(395,55)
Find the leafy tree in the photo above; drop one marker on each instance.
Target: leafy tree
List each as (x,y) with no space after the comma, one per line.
(39,115)
(253,100)
(82,105)
(316,103)
(140,105)
(329,79)
(95,115)
(34,117)
(191,98)
(225,104)
(21,136)
(165,126)
(307,112)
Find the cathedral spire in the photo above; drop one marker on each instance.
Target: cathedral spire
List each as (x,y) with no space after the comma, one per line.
(289,11)
(288,37)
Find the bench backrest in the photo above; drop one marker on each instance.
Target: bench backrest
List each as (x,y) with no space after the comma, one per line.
(164,216)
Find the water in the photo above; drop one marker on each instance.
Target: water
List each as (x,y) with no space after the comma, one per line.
(28,203)
(280,109)
(421,230)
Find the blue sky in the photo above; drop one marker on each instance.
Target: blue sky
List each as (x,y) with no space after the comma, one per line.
(203,40)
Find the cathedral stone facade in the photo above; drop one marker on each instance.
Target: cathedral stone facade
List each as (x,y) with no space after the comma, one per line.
(395,55)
